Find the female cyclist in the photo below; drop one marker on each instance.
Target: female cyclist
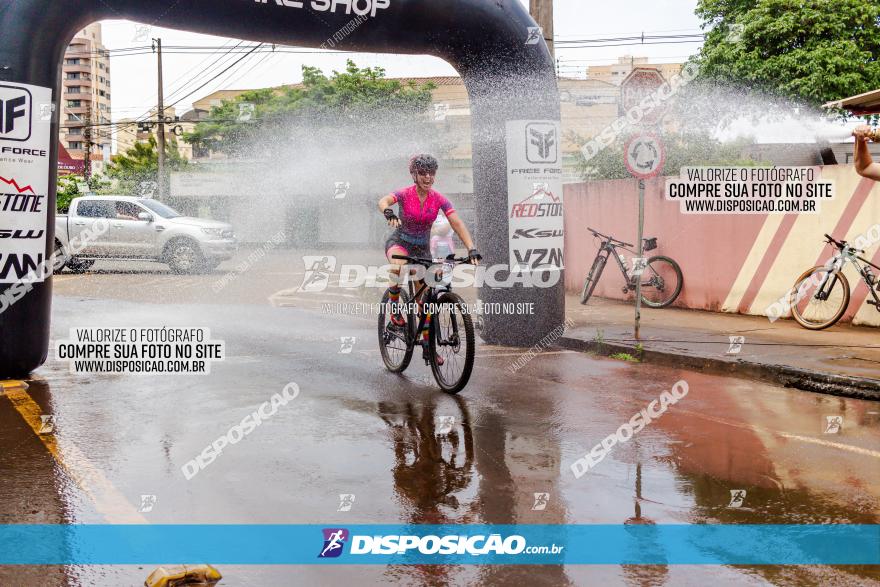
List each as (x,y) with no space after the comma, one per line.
(418,205)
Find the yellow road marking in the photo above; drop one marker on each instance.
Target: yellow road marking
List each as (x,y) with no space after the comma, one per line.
(108,501)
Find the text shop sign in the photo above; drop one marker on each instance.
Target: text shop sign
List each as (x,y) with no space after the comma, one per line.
(24,181)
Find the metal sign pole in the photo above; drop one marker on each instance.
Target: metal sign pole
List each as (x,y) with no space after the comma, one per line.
(641,254)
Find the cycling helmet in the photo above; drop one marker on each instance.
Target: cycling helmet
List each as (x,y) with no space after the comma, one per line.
(423,162)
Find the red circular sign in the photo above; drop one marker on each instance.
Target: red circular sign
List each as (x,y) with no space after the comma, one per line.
(644,155)
(639,84)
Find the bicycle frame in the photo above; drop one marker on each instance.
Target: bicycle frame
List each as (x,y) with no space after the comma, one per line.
(841,258)
(610,250)
(430,298)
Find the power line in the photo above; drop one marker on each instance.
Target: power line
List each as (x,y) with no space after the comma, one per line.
(213,78)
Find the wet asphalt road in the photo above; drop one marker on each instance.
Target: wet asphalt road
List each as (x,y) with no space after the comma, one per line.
(357,429)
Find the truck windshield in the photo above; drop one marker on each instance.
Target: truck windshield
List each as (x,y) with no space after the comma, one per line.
(160,208)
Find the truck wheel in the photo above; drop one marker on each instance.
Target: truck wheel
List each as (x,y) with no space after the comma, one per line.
(60,258)
(79,266)
(185,257)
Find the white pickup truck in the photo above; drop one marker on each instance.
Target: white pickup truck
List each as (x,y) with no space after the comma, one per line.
(141,229)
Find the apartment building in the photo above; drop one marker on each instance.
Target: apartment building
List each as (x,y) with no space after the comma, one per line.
(85,98)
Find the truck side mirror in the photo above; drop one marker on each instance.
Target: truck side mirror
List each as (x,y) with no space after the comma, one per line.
(146,216)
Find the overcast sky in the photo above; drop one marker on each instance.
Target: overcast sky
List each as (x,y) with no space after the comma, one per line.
(134,78)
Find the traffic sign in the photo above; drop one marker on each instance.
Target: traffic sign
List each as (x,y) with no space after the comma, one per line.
(640,83)
(644,155)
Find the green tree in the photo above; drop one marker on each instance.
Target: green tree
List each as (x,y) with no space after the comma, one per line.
(686,149)
(812,51)
(349,102)
(141,164)
(67,190)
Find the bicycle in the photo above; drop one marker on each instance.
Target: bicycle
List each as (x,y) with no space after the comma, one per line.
(659,289)
(451,326)
(828,296)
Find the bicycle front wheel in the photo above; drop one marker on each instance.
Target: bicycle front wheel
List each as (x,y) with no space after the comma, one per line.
(593,277)
(661,282)
(395,341)
(819,299)
(452,343)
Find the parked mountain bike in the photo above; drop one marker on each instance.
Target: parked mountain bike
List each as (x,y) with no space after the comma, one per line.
(450,351)
(661,279)
(826,305)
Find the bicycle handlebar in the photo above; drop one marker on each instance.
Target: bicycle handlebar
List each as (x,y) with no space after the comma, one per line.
(429,262)
(609,238)
(842,244)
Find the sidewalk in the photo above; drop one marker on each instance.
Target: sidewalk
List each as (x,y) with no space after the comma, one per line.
(843,360)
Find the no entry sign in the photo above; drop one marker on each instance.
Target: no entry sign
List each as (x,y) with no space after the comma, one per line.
(644,155)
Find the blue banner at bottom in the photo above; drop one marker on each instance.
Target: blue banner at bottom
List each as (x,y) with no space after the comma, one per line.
(447,544)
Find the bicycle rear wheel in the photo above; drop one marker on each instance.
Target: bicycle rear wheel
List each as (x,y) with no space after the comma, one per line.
(395,342)
(451,337)
(593,277)
(661,282)
(816,304)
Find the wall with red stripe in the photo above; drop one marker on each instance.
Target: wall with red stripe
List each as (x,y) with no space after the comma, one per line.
(732,263)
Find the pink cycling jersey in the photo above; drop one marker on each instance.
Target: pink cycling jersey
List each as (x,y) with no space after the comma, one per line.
(416,218)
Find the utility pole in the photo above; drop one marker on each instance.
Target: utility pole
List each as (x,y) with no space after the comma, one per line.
(542,12)
(87,138)
(163,193)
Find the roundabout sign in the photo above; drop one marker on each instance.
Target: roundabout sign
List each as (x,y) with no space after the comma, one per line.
(644,155)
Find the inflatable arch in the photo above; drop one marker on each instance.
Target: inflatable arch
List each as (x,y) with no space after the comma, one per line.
(494,45)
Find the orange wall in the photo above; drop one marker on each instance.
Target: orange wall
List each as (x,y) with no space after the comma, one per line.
(732,263)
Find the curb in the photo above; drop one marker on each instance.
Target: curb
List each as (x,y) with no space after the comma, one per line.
(784,375)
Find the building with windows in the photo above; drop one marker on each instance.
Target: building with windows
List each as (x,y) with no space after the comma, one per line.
(617,72)
(84,113)
(131,130)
